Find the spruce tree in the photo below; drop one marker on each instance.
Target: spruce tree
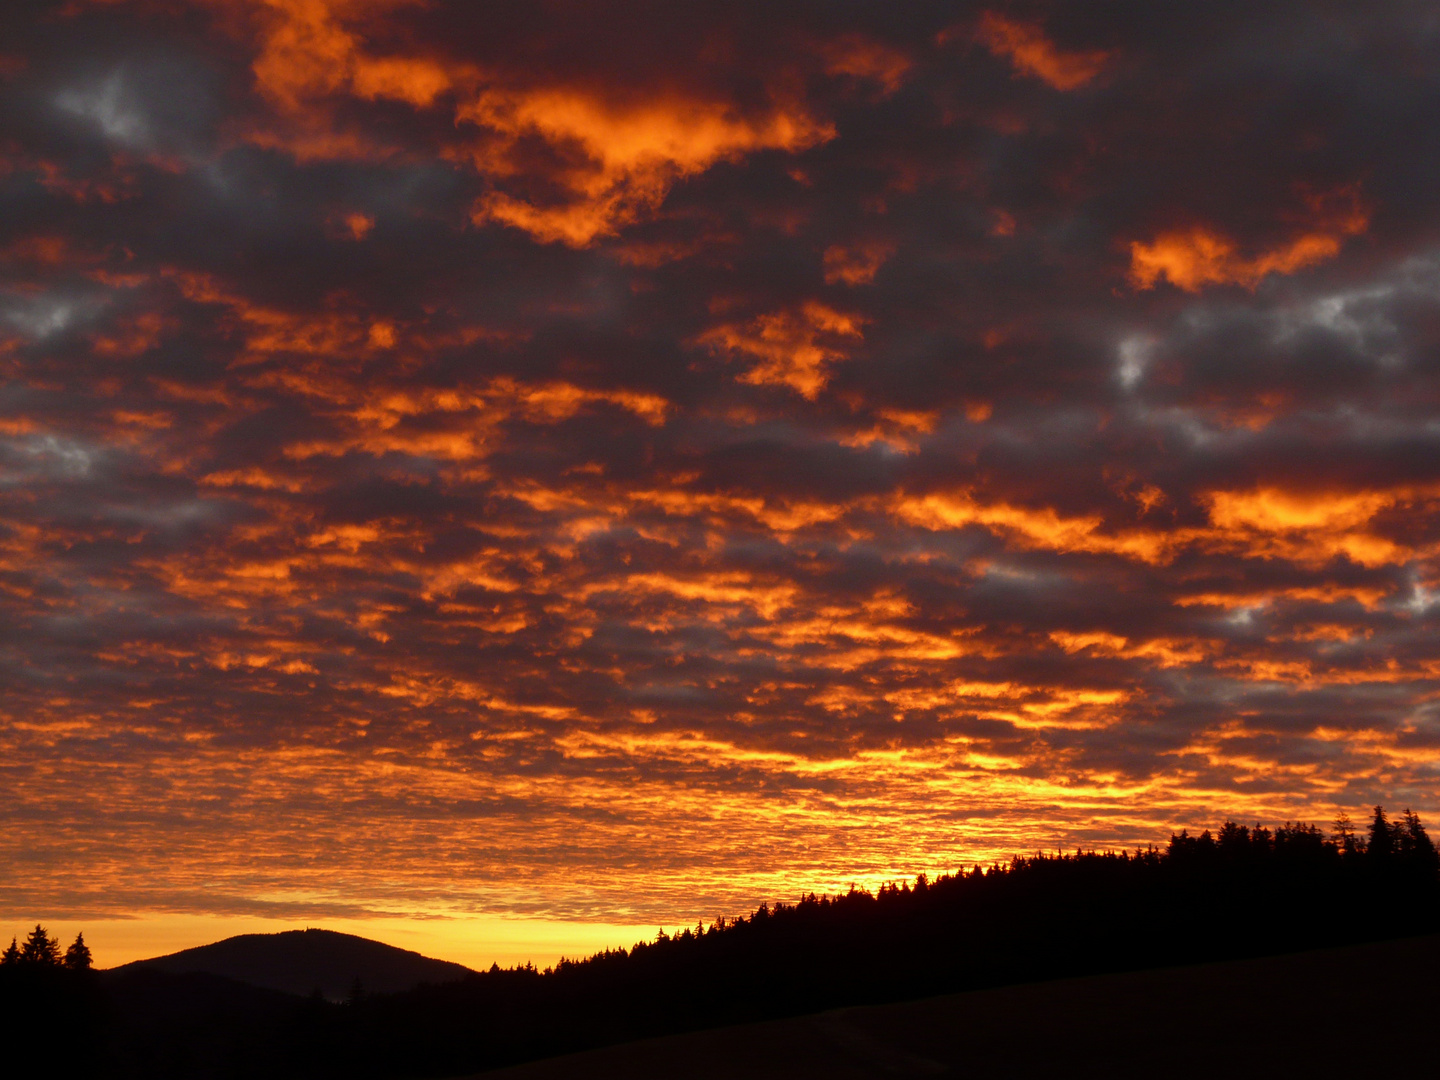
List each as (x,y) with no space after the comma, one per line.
(40,949)
(77,956)
(1382,839)
(1415,843)
(10,956)
(1234,840)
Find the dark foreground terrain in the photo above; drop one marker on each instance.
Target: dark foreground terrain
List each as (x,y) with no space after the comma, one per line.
(1362,1011)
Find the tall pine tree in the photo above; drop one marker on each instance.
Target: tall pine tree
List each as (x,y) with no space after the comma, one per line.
(1415,843)
(77,956)
(1381,846)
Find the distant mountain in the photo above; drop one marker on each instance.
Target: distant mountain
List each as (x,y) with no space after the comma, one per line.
(302,961)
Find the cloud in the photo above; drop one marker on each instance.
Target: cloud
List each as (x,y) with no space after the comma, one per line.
(629,157)
(444,448)
(860,57)
(790,348)
(1026,46)
(609,161)
(856,264)
(107,106)
(1199,256)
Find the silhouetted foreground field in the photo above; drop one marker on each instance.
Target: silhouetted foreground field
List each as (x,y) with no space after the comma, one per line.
(1243,893)
(1361,1011)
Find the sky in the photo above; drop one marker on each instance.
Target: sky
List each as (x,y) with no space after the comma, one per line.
(507,477)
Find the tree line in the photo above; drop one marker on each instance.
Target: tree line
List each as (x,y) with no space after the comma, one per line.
(40,950)
(1401,844)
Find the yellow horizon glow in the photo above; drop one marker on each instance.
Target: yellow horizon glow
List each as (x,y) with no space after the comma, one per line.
(476,941)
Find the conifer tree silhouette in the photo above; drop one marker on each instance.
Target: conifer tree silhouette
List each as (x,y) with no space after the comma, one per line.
(77,956)
(1234,840)
(10,956)
(1342,834)
(1381,845)
(40,949)
(1415,844)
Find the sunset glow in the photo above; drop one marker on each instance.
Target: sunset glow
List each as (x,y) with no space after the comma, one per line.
(503,479)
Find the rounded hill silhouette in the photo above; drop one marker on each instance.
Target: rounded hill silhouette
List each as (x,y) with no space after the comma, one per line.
(304,961)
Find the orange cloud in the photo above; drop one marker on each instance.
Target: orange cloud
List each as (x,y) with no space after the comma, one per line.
(1266,523)
(862,58)
(1164,652)
(792,348)
(614,161)
(1032,53)
(351,225)
(307,51)
(778,515)
(461,424)
(1309,528)
(630,156)
(856,264)
(1200,256)
(44,250)
(1042,527)
(269,332)
(897,428)
(133,336)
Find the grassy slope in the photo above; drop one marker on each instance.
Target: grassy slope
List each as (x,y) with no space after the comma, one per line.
(1360,1011)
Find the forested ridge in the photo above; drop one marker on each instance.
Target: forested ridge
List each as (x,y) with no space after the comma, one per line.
(1242,891)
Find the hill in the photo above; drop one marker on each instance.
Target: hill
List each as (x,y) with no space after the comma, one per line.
(302,961)
(1359,1011)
